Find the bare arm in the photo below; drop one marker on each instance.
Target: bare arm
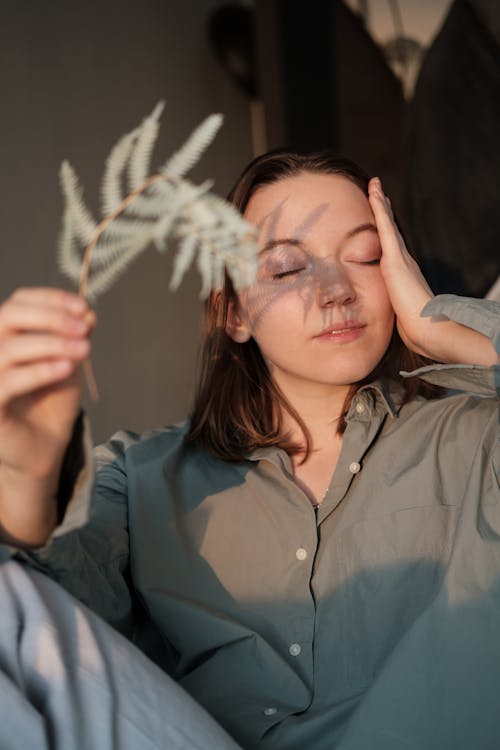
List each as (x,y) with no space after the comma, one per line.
(44,337)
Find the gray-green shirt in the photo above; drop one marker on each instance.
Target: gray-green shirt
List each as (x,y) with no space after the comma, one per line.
(373,622)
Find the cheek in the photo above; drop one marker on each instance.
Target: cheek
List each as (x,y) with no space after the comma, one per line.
(273,305)
(374,295)
(386,308)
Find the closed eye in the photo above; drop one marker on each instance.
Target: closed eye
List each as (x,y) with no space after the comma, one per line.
(284,274)
(374,262)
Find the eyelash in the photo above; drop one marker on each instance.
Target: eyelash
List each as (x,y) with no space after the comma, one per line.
(284,274)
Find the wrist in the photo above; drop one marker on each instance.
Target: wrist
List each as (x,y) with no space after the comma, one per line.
(450,342)
(28,508)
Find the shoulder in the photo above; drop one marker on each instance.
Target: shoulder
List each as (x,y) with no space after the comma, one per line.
(471,412)
(453,428)
(453,405)
(126,446)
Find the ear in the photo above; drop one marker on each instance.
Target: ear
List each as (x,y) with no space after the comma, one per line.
(236,328)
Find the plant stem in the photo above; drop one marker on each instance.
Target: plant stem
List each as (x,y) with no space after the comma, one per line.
(87,260)
(104,224)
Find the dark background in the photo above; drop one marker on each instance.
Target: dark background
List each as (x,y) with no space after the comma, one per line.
(75,76)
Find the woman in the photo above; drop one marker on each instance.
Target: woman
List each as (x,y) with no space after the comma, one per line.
(302,554)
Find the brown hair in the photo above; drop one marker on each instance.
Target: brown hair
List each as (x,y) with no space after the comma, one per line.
(238,407)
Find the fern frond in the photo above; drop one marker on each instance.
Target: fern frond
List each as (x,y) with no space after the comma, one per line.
(78,225)
(199,140)
(205,268)
(69,250)
(218,266)
(184,258)
(151,203)
(84,224)
(110,248)
(111,186)
(103,279)
(140,158)
(162,209)
(186,195)
(123,228)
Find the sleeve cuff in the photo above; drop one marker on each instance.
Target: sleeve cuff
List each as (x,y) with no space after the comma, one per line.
(75,511)
(480,315)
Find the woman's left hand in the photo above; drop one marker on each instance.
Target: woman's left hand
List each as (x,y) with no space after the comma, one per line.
(440,339)
(407,288)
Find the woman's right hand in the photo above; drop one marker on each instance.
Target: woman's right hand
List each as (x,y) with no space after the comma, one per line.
(44,337)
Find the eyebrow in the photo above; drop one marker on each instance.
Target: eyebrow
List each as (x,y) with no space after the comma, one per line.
(368,227)
(283,241)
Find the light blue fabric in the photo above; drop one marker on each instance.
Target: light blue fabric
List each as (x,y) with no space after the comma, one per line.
(70,682)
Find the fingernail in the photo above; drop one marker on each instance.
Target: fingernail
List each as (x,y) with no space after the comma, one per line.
(76,304)
(90,318)
(78,325)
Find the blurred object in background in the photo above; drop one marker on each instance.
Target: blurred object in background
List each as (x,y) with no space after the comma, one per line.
(408,88)
(453,195)
(403,29)
(494,292)
(232,33)
(329,74)
(325,83)
(404,56)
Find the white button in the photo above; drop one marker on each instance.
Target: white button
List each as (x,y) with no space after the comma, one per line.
(354,468)
(301,553)
(295,649)
(360,409)
(270,711)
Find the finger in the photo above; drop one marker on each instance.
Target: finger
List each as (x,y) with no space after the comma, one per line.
(390,236)
(51,297)
(26,379)
(18,315)
(26,348)
(379,201)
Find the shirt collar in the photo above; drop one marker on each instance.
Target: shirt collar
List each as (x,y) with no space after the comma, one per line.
(383,395)
(274,454)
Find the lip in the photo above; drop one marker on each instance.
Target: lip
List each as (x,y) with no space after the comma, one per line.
(342,332)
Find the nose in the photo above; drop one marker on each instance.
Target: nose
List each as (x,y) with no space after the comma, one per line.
(333,285)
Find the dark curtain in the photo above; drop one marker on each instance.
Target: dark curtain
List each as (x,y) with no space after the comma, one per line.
(454,194)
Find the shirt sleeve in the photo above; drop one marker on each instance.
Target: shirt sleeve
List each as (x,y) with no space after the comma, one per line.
(88,552)
(480,315)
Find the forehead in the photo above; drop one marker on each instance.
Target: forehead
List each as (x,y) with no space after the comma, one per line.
(321,200)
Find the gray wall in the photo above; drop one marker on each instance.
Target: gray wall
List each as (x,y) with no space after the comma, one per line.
(74,77)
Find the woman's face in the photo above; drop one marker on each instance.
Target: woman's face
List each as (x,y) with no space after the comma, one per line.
(319,310)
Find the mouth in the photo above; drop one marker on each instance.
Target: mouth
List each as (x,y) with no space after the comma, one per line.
(343,331)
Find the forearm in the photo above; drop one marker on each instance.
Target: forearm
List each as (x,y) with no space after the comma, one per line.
(461,330)
(450,342)
(44,338)
(28,507)
(446,328)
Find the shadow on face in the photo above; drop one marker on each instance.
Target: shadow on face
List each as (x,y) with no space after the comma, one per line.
(288,267)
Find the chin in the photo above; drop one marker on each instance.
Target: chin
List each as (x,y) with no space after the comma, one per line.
(336,374)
